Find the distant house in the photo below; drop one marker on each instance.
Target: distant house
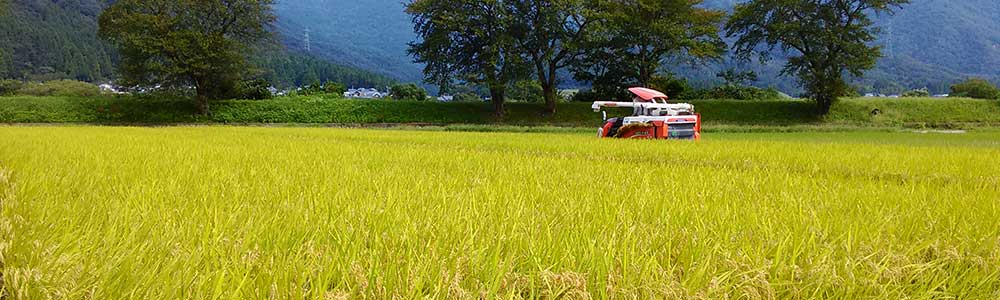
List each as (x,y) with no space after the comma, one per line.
(942,96)
(365,93)
(275,91)
(109,89)
(446,98)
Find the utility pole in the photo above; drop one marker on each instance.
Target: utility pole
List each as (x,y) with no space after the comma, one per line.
(307,41)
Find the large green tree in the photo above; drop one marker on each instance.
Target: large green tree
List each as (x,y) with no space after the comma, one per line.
(3,12)
(550,34)
(469,41)
(186,43)
(826,39)
(636,39)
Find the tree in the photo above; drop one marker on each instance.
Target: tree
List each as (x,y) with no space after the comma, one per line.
(975,88)
(549,33)
(408,91)
(527,91)
(635,39)
(334,88)
(732,77)
(826,39)
(917,93)
(186,43)
(3,12)
(468,40)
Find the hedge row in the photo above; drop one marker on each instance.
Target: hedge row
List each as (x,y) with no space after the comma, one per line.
(118,110)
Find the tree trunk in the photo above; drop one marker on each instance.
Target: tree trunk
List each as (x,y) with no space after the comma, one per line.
(551,98)
(549,91)
(497,98)
(201,98)
(823,104)
(202,102)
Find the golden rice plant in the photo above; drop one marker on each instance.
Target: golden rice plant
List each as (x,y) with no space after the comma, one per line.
(293,213)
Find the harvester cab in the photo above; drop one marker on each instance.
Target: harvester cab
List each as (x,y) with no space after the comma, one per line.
(652,118)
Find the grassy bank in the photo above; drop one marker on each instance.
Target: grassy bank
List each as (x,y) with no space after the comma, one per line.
(934,113)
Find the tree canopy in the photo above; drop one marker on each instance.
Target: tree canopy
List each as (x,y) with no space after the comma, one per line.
(467,40)
(186,43)
(827,39)
(549,34)
(636,39)
(408,91)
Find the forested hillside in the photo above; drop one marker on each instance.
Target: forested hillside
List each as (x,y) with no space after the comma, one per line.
(42,39)
(57,39)
(929,43)
(370,34)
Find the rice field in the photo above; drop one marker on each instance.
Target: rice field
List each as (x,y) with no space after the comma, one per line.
(296,213)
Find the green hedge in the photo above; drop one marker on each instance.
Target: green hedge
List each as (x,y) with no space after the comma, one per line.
(117,110)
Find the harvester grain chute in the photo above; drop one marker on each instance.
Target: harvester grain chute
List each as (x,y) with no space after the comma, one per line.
(652,118)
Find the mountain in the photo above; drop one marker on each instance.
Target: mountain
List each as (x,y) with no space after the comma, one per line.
(929,43)
(57,39)
(53,39)
(369,34)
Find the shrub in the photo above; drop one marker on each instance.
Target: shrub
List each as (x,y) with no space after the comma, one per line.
(975,88)
(63,88)
(257,89)
(917,93)
(675,88)
(335,88)
(735,93)
(312,88)
(468,97)
(526,91)
(10,87)
(408,91)
(585,96)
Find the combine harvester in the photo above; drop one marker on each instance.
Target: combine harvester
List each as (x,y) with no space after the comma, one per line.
(652,118)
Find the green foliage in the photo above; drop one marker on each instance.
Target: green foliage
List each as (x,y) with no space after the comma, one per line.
(734,88)
(186,43)
(468,98)
(636,39)
(734,92)
(51,40)
(61,88)
(975,88)
(737,78)
(313,88)
(673,87)
(9,87)
(826,39)
(329,88)
(256,89)
(474,45)
(527,91)
(549,34)
(287,70)
(469,109)
(917,112)
(917,93)
(334,88)
(408,91)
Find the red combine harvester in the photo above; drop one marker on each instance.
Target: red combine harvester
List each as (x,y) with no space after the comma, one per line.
(652,118)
